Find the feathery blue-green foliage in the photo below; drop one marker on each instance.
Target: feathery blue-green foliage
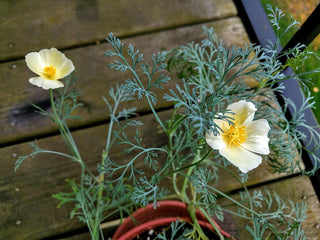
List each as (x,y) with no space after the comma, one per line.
(211,77)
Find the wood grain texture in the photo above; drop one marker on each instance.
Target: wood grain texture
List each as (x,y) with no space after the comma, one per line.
(27,209)
(32,25)
(297,189)
(25,196)
(17,117)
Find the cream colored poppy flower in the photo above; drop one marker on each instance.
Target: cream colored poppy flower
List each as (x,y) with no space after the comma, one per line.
(243,141)
(51,65)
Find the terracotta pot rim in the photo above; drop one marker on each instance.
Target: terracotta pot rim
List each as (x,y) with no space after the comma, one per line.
(168,211)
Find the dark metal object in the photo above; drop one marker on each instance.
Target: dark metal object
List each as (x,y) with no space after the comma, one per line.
(260,31)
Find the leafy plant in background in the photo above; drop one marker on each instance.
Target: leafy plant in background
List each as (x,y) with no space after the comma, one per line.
(217,119)
(309,58)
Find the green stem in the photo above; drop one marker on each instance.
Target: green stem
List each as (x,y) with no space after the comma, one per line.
(65,134)
(237,203)
(175,187)
(108,145)
(253,213)
(73,148)
(61,154)
(196,225)
(174,176)
(189,166)
(238,179)
(243,185)
(212,223)
(156,115)
(96,227)
(236,214)
(148,99)
(196,160)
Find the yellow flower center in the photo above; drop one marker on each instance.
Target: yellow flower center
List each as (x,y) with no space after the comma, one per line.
(49,72)
(235,135)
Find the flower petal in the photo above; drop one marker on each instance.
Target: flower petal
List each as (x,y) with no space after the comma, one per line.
(257,137)
(45,83)
(243,112)
(57,59)
(241,158)
(34,62)
(65,68)
(215,142)
(51,57)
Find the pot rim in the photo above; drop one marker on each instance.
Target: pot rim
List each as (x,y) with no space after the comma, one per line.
(166,212)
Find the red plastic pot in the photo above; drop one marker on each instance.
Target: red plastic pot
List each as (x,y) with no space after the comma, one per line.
(150,218)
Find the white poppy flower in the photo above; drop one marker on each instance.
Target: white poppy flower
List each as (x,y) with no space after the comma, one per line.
(243,141)
(51,65)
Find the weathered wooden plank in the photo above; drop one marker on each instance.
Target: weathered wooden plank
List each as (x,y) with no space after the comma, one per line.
(83,236)
(17,117)
(66,24)
(27,209)
(297,189)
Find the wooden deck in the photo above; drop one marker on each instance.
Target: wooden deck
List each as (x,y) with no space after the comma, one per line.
(78,28)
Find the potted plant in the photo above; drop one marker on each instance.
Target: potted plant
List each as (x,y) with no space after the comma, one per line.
(218,122)
(168,214)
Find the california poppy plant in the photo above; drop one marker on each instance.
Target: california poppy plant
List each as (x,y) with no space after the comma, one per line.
(51,65)
(242,141)
(165,159)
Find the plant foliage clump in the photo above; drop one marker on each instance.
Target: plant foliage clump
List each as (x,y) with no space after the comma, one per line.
(211,77)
